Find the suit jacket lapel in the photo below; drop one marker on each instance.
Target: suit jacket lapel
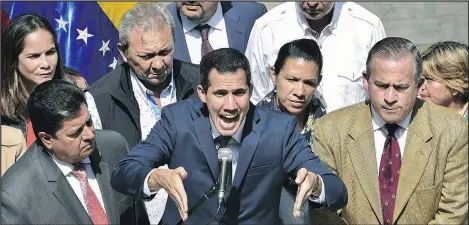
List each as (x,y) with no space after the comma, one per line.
(101,172)
(235,32)
(417,150)
(362,153)
(182,52)
(62,189)
(204,136)
(251,135)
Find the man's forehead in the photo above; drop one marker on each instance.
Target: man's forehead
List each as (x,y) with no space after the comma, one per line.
(150,34)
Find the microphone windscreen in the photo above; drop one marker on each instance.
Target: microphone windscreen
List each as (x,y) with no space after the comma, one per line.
(225,154)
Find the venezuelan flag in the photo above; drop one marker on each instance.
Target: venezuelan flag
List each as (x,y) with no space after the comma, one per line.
(86,31)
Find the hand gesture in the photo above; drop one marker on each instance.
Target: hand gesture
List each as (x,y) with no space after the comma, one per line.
(171,181)
(308,183)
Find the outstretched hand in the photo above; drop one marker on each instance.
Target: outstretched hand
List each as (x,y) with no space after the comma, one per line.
(171,181)
(308,184)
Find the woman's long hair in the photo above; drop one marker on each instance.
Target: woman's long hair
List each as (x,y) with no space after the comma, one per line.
(14,95)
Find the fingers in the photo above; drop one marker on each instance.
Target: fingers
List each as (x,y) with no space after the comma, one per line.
(177,192)
(182,172)
(301,175)
(303,189)
(182,200)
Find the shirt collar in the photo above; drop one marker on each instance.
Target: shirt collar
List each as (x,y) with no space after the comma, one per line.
(332,25)
(145,90)
(66,167)
(237,136)
(216,21)
(378,122)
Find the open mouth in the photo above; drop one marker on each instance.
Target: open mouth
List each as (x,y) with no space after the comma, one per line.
(228,121)
(192,6)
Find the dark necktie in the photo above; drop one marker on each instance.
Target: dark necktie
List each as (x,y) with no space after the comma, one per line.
(95,210)
(222,141)
(389,173)
(206,47)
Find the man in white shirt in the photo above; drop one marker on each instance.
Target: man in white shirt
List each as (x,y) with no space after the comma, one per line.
(344,31)
(212,25)
(266,147)
(129,99)
(63,178)
(405,160)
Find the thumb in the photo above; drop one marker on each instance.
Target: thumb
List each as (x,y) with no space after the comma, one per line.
(182,172)
(301,175)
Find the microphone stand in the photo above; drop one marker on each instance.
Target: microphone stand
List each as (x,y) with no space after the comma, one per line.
(208,194)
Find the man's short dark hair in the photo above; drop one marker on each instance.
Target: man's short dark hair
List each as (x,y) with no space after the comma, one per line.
(224,60)
(53,102)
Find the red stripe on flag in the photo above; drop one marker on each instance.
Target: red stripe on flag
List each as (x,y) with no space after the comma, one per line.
(5,20)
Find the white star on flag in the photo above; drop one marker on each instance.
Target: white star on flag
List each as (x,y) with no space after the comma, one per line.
(113,64)
(84,35)
(105,47)
(62,24)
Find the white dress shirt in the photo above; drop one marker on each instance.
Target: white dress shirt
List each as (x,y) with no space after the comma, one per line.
(148,118)
(167,96)
(380,134)
(344,44)
(216,36)
(67,169)
(155,207)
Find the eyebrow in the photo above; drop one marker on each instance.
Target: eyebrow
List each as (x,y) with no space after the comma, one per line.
(387,84)
(291,76)
(82,126)
(36,53)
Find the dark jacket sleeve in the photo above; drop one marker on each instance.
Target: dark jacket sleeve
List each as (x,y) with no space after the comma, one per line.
(298,154)
(129,174)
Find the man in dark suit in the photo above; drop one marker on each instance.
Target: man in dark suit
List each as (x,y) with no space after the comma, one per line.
(227,24)
(266,146)
(46,185)
(131,96)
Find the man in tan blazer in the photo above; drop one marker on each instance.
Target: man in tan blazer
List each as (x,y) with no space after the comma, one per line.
(13,146)
(416,174)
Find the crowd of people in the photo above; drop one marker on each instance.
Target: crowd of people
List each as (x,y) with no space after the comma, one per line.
(328,120)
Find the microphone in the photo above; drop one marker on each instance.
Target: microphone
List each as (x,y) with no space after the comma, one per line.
(225,157)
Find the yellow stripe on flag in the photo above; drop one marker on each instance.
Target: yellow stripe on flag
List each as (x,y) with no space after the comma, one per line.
(115,10)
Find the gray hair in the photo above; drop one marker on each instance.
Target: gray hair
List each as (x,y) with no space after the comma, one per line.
(147,16)
(395,48)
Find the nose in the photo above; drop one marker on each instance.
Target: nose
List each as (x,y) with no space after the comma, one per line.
(89,133)
(299,90)
(423,87)
(312,4)
(230,103)
(158,64)
(390,96)
(45,64)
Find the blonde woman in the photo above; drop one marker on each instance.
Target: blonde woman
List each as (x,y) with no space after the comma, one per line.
(445,69)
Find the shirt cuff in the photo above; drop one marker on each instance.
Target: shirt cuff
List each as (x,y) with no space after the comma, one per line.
(146,189)
(322,197)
